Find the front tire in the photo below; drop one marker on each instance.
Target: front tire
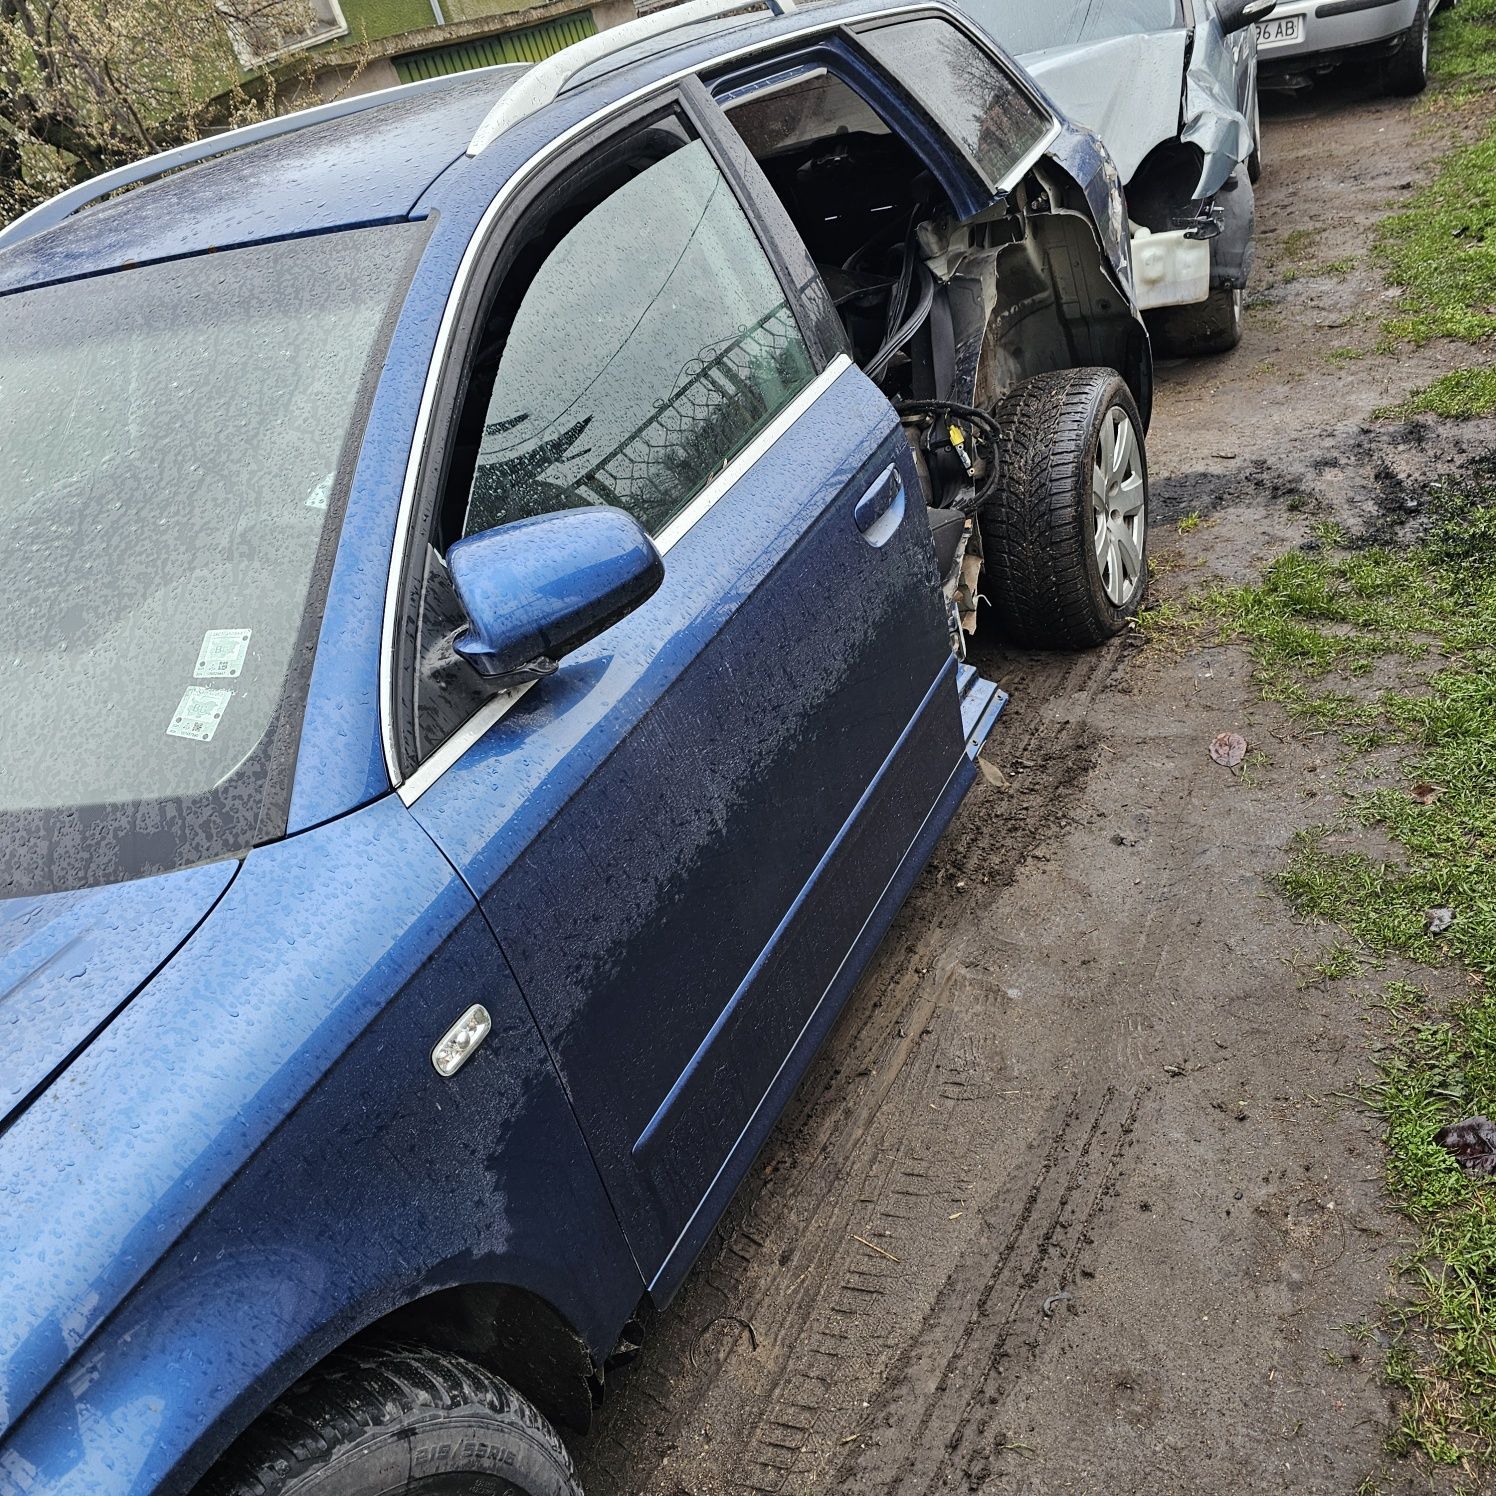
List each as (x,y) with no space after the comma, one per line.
(400,1421)
(1406,71)
(1065,534)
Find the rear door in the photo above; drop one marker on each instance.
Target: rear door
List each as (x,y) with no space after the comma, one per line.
(681,836)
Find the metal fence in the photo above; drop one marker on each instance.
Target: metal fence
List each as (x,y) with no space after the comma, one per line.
(722,396)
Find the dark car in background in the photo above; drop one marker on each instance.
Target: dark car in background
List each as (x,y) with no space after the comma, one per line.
(1170,86)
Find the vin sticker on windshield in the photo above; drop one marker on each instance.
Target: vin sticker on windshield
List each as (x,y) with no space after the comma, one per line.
(222,654)
(198,714)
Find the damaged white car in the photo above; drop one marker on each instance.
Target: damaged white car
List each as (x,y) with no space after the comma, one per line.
(1171,88)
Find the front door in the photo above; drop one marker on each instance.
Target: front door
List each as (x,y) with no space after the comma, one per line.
(679,837)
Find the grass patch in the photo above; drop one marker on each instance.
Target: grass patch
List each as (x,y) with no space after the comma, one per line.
(1444,1356)
(1463,50)
(1429,616)
(1298,242)
(1460,395)
(1442,250)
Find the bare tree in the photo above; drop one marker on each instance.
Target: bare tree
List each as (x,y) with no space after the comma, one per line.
(86,85)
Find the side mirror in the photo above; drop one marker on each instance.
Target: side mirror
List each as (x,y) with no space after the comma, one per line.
(1238,14)
(540,587)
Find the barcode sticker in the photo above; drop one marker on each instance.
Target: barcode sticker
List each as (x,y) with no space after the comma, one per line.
(222,654)
(198,714)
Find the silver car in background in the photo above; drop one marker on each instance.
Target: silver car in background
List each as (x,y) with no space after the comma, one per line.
(1170,86)
(1308,37)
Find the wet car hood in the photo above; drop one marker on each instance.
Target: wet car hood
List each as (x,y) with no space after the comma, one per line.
(1126,89)
(70,961)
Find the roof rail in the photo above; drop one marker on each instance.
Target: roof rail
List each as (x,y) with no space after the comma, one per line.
(547,80)
(56,209)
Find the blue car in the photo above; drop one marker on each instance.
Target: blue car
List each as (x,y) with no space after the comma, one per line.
(487,575)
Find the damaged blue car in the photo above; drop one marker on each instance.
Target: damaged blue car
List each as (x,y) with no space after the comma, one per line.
(489,568)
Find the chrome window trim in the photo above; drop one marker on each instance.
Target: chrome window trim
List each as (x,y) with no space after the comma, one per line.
(1030,161)
(459,289)
(680,526)
(493,711)
(781,83)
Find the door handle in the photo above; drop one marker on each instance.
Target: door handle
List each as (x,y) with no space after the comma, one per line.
(880,511)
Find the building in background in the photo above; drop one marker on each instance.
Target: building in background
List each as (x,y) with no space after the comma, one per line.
(340,46)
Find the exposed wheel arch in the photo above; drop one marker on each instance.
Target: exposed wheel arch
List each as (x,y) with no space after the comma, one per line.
(1055,308)
(510,1331)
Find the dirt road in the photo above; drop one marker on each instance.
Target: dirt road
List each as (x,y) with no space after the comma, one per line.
(1074,1200)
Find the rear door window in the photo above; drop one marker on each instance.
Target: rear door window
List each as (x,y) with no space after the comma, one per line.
(965,90)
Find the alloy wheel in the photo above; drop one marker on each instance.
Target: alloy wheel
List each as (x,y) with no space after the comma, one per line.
(1119,499)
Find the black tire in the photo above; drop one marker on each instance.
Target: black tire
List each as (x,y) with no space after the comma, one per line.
(392,1421)
(1044,580)
(1405,73)
(1209,326)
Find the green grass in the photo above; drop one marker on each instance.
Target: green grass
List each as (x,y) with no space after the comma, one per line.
(1440,1069)
(1426,617)
(1463,50)
(1298,242)
(1441,251)
(1458,395)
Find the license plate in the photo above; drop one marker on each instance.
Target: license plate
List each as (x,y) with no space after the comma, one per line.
(1280,31)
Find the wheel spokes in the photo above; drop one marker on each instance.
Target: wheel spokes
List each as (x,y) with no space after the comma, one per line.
(1100,509)
(1119,499)
(1116,431)
(1129,549)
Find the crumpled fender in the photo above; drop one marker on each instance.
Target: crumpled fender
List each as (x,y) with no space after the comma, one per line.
(1213,117)
(1232,251)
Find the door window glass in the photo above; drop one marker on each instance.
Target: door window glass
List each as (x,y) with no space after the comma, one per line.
(654,342)
(639,341)
(967,93)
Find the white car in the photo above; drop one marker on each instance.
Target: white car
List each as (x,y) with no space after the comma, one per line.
(1170,86)
(1303,38)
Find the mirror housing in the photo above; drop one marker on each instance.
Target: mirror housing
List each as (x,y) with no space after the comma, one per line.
(1236,15)
(538,588)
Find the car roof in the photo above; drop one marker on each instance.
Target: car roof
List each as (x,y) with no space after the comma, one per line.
(368,167)
(376,164)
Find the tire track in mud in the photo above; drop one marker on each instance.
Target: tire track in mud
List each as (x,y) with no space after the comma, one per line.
(979,1313)
(886,1140)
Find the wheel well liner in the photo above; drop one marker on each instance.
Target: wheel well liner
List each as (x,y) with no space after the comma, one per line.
(1164,184)
(509,1331)
(1047,303)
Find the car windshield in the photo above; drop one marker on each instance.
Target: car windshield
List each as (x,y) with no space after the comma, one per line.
(1023,26)
(172,440)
